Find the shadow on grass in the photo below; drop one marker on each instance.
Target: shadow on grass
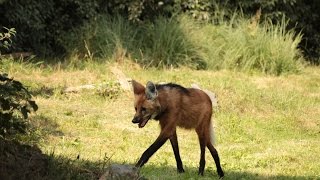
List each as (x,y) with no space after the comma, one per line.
(20,161)
(170,172)
(45,125)
(43,91)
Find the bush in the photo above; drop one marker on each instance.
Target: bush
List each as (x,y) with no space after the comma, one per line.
(42,23)
(15,104)
(44,26)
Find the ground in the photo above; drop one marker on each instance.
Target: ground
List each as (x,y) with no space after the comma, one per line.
(267,127)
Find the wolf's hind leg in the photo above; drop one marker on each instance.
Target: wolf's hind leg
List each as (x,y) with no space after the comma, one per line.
(216,158)
(175,147)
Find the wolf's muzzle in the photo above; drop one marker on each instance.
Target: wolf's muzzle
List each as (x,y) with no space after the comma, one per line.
(136,120)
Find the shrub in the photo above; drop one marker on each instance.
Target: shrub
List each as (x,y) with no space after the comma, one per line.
(15,104)
(42,23)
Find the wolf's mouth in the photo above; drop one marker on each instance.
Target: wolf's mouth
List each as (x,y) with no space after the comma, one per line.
(144,122)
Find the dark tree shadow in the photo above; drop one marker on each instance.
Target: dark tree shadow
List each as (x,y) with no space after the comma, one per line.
(45,125)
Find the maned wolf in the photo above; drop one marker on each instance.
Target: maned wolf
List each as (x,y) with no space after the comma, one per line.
(173,105)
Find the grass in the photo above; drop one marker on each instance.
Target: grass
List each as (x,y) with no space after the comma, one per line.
(236,44)
(247,45)
(162,43)
(267,127)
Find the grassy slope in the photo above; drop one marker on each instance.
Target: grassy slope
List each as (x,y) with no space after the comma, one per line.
(266,126)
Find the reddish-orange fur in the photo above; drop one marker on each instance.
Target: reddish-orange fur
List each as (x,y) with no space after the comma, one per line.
(173,106)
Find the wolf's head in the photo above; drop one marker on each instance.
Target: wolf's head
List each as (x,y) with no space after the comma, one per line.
(146,103)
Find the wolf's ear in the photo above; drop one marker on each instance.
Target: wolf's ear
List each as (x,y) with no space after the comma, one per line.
(151,91)
(137,87)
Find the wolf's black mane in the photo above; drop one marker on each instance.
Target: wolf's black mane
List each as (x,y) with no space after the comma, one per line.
(172,86)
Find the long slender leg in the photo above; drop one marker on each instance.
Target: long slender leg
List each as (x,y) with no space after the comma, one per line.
(202,158)
(216,158)
(151,150)
(202,142)
(175,147)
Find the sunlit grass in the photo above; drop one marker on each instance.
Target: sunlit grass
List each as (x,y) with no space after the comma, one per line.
(267,127)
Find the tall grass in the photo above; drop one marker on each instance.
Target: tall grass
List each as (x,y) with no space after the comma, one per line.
(167,44)
(246,45)
(162,43)
(238,44)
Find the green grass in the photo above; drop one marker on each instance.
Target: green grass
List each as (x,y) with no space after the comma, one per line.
(267,127)
(236,44)
(246,45)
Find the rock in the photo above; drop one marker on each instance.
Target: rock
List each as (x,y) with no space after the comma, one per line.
(123,80)
(121,171)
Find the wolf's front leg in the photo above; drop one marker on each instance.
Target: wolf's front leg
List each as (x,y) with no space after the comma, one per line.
(151,150)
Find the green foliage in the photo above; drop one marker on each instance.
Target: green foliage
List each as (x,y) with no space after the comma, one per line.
(166,43)
(303,15)
(238,44)
(50,28)
(5,38)
(41,23)
(244,45)
(162,43)
(139,10)
(15,104)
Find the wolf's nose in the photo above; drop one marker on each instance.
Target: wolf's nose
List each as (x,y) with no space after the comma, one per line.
(135,120)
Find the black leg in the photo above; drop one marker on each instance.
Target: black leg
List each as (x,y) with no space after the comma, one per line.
(216,158)
(202,155)
(202,141)
(175,147)
(151,150)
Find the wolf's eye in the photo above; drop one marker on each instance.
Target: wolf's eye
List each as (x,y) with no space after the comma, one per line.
(135,108)
(143,109)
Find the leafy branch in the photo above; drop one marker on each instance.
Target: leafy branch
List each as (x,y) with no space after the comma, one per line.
(5,37)
(15,104)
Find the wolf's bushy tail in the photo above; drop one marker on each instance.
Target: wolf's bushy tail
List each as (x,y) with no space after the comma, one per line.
(214,102)
(212,136)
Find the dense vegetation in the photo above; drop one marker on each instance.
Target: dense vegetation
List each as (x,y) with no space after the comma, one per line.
(267,122)
(15,104)
(47,28)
